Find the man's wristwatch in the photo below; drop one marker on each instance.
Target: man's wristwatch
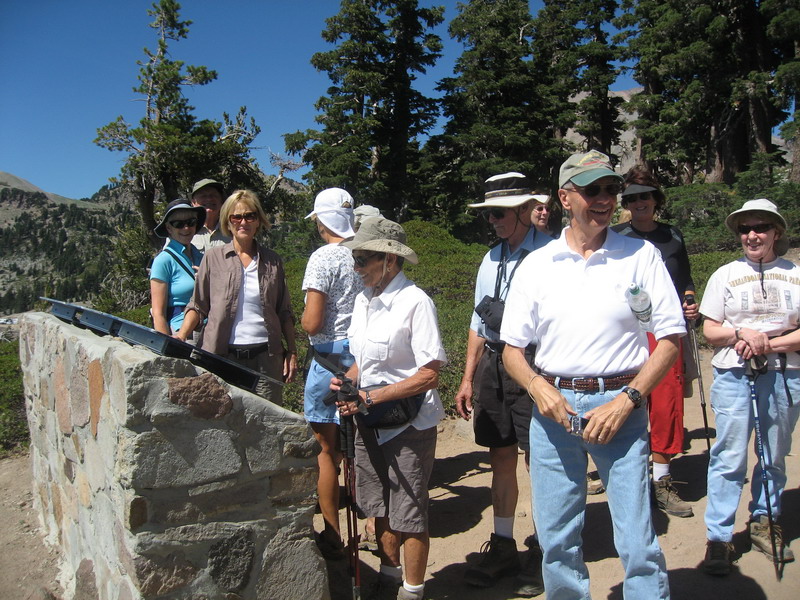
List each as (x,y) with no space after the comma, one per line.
(634,395)
(367,398)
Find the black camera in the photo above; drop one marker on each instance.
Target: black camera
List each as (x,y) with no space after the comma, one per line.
(490,310)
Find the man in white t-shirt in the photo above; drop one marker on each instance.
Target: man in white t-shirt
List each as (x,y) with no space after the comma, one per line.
(592,361)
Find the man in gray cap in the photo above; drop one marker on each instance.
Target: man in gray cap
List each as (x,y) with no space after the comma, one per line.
(502,410)
(209,194)
(590,379)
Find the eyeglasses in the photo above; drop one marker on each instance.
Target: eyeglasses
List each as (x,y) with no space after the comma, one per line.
(248,216)
(590,191)
(628,198)
(757,228)
(361,260)
(497,213)
(540,208)
(180,224)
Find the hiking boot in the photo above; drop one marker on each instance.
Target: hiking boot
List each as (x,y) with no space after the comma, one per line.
(385,588)
(718,559)
(404,594)
(594,486)
(529,581)
(760,540)
(498,558)
(667,499)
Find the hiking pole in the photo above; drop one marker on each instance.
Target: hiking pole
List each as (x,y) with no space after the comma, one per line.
(696,354)
(347,437)
(753,368)
(347,441)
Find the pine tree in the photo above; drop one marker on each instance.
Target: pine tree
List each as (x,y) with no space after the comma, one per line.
(709,71)
(575,57)
(495,118)
(372,115)
(171,148)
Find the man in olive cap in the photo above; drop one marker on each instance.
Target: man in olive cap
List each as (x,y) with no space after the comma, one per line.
(209,194)
(592,363)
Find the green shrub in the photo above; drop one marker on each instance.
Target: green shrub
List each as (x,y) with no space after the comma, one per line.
(13,423)
(704,265)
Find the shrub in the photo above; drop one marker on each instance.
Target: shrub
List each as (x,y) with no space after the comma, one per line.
(13,423)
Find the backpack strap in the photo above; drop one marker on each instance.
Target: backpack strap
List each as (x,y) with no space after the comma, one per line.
(180,262)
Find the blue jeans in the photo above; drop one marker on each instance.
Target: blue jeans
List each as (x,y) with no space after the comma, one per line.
(727,468)
(558,475)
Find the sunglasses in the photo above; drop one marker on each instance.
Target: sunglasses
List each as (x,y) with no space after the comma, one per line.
(177,224)
(628,198)
(497,213)
(361,261)
(590,191)
(757,228)
(540,208)
(248,216)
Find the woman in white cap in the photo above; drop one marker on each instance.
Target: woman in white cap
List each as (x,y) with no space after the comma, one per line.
(644,199)
(394,336)
(331,286)
(241,290)
(173,271)
(751,308)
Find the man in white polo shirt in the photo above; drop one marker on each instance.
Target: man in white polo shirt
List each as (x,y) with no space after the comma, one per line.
(592,361)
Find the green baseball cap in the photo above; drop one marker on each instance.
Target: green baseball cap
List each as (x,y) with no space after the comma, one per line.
(206,182)
(584,168)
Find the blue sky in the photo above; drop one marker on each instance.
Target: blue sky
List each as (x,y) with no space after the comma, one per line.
(69,66)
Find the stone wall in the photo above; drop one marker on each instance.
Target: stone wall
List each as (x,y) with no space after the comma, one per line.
(158,480)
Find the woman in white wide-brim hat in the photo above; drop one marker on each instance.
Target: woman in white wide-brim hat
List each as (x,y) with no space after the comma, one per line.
(751,308)
(394,337)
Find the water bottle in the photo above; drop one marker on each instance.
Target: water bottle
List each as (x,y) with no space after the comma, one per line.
(346,359)
(639,301)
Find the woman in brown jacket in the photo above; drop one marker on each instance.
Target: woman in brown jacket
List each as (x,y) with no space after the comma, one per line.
(241,290)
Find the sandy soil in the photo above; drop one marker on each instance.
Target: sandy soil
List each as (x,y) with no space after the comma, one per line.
(461,520)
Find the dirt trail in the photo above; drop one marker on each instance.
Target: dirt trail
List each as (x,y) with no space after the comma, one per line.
(461,521)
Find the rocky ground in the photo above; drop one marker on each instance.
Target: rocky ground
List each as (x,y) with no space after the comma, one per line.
(461,521)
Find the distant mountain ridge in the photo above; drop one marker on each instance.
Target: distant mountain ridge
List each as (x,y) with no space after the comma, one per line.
(9,180)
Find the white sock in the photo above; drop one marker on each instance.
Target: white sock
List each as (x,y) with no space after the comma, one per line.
(504,527)
(660,470)
(395,573)
(413,588)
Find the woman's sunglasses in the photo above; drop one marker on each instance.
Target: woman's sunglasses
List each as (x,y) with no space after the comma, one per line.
(361,261)
(497,213)
(248,216)
(590,191)
(180,224)
(628,198)
(758,228)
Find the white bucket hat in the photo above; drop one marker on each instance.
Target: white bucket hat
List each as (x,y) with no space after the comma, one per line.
(334,209)
(381,235)
(507,190)
(769,211)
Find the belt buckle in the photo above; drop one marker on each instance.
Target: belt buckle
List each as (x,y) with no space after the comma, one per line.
(588,384)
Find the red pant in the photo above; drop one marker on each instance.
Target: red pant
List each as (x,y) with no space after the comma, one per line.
(666,407)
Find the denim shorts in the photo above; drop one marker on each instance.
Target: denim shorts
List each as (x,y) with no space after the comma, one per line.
(317,388)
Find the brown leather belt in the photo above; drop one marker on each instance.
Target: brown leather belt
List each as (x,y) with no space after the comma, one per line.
(589,384)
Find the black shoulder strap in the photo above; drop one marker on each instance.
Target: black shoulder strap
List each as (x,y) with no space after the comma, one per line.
(180,262)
